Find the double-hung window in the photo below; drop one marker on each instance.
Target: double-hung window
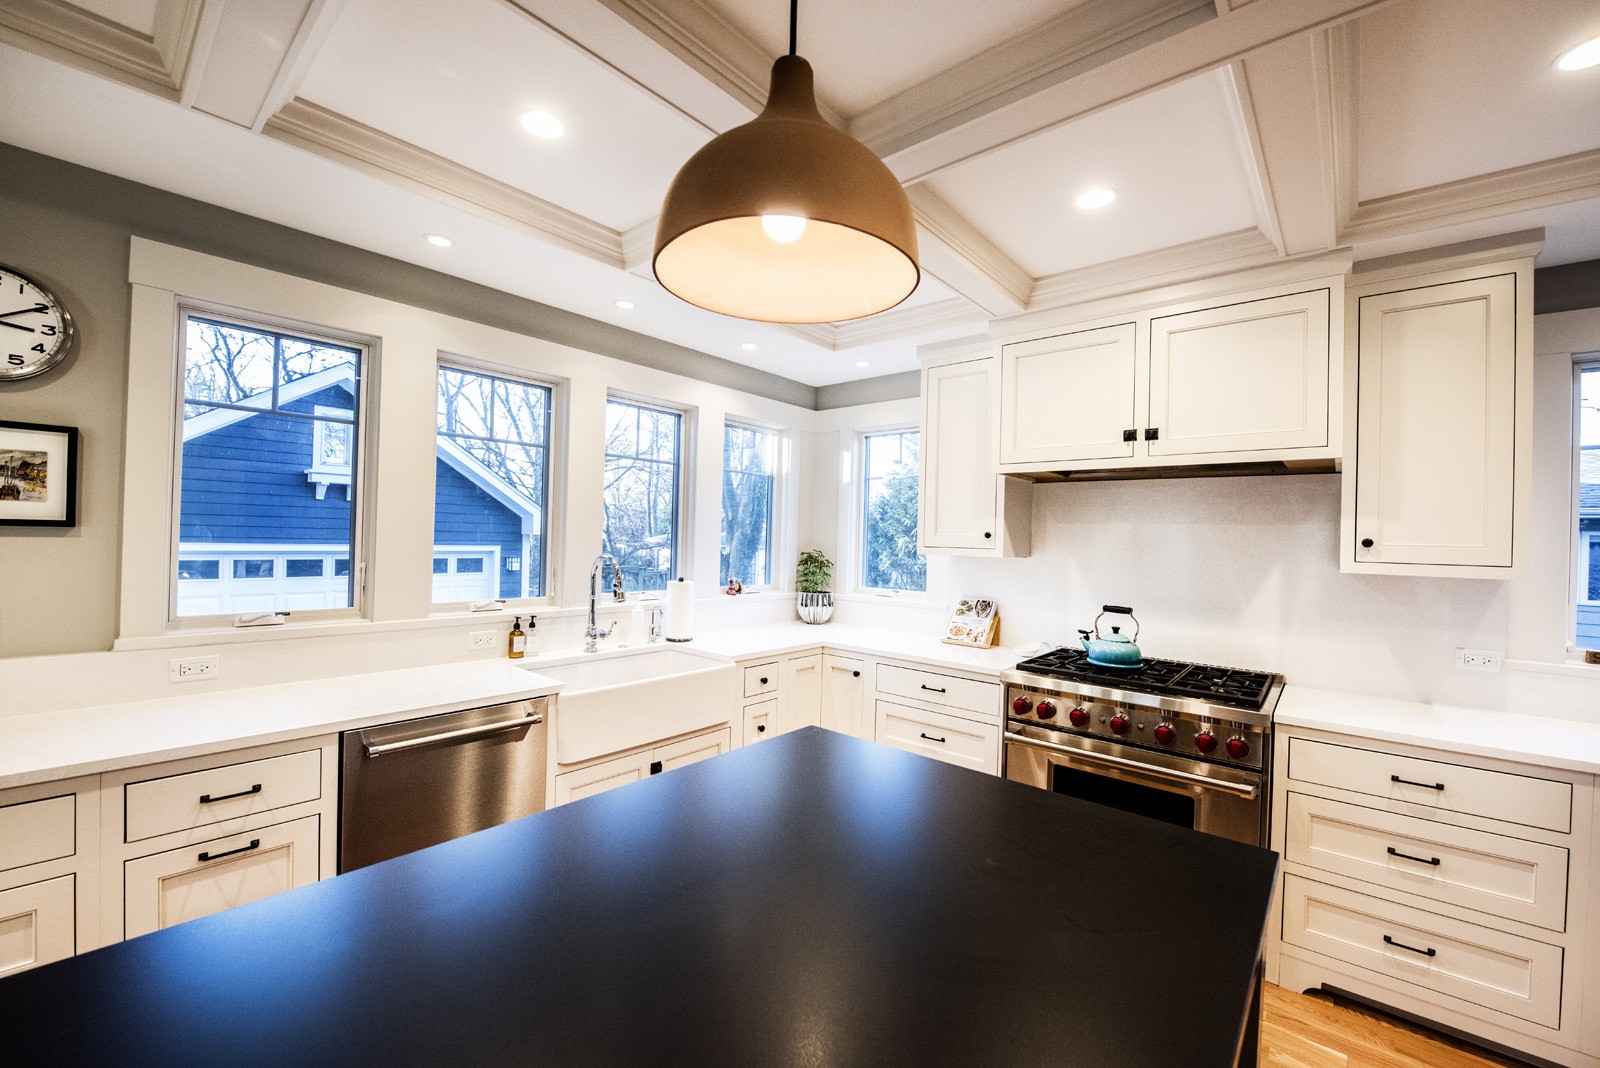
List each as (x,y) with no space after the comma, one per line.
(491,515)
(889,557)
(269,474)
(749,460)
(643,492)
(1586,595)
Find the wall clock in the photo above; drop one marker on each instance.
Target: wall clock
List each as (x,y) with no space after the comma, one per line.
(36,331)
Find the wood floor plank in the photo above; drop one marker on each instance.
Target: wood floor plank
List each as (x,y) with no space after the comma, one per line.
(1319,1031)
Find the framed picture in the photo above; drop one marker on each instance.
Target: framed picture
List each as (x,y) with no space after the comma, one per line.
(38,475)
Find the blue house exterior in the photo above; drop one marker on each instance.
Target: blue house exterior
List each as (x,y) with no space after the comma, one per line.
(266,516)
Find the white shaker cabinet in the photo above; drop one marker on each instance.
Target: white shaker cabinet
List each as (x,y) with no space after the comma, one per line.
(599,776)
(966,508)
(800,691)
(1443,385)
(1070,397)
(844,695)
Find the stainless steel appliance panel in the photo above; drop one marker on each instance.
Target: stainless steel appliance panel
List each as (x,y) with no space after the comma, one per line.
(406,786)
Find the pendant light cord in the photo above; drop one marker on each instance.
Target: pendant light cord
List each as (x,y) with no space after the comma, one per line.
(794,17)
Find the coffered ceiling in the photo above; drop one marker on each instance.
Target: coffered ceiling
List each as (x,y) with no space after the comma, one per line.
(1234,134)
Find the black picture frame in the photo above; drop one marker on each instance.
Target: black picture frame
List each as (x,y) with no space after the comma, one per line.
(59,444)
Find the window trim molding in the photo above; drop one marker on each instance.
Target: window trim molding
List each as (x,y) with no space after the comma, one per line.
(777,515)
(363,469)
(683,492)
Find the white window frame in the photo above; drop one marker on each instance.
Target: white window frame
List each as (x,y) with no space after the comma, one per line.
(555,482)
(778,514)
(361,477)
(1578,566)
(857,540)
(683,520)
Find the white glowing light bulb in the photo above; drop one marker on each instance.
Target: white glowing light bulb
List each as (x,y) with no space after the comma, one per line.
(784,228)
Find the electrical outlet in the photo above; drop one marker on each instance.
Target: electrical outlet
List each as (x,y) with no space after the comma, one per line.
(193,669)
(481,639)
(1478,659)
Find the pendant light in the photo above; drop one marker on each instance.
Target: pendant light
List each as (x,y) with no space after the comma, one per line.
(786,219)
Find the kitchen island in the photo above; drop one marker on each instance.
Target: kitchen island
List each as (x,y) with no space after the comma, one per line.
(813,900)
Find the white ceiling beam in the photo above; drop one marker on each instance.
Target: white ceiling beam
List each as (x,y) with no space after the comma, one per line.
(963,258)
(1247,132)
(1086,87)
(297,59)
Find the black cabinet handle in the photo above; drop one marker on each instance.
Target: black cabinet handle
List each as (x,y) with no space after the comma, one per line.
(1424,785)
(1429,952)
(761,728)
(207,799)
(933,689)
(1393,852)
(655,767)
(931,738)
(1152,433)
(1130,435)
(1366,543)
(255,843)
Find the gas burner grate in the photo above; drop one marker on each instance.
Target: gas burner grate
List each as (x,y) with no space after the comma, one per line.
(1224,686)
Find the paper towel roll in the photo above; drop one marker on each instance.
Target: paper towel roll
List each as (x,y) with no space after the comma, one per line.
(678,601)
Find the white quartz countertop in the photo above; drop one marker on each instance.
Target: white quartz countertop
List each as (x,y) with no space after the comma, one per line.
(776,639)
(1551,743)
(58,745)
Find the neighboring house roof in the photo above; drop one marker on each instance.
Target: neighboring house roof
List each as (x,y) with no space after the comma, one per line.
(448,451)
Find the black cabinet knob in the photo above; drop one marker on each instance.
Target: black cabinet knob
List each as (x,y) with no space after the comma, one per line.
(655,767)
(987,534)
(761,728)
(763,680)
(857,674)
(1366,543)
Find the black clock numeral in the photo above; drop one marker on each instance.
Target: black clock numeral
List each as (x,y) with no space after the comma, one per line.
(39,347)
(15,361)
(48,331)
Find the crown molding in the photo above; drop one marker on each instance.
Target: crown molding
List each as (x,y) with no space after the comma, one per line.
(1086,35)
(1247,131)
(965,259)
(639,248)
(908,322)
(353,144)
(1524,244)
(1336,54)
(156,62)
(1149,270)
(1486,196)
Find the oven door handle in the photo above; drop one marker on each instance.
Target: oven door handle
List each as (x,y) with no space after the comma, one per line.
(1244,790)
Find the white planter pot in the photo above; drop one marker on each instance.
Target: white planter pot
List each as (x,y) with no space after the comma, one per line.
(814,607)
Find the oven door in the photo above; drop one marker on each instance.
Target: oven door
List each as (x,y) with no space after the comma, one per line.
(1219,800)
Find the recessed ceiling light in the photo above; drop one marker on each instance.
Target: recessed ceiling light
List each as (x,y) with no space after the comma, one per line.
(625,305)
(863,363)
(1582,57)
(748,346)
(1090,199)
(438,239)
(543,124)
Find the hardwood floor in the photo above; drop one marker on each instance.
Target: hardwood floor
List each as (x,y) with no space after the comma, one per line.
(1318,1031)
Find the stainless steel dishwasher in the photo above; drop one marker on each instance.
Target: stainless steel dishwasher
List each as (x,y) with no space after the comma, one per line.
(424,781)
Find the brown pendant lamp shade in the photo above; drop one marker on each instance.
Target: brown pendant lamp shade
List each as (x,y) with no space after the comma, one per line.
(856,253)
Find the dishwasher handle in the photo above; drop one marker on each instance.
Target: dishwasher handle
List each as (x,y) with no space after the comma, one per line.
(452,736)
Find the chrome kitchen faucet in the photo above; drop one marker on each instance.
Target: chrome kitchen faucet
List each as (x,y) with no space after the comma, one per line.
(592,632)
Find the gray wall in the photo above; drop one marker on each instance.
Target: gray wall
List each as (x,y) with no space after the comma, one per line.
(1568,287)
(69,227)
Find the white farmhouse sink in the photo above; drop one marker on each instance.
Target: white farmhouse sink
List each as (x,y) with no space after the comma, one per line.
(616,702)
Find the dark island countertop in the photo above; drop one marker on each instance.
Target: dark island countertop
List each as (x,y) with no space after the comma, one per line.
(812,900)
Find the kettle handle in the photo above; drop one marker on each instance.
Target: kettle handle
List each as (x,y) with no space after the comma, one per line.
(1117,609)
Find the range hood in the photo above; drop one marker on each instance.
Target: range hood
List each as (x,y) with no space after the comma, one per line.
(1130,474)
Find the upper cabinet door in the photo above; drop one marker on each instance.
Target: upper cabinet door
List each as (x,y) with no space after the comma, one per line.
(1247,377)
(1436,425)
(1069,397)
(958,478)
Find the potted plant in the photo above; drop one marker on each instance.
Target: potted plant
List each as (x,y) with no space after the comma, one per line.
(811,575)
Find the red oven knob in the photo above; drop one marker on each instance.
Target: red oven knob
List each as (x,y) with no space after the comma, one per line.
(1165,734)
(1205,741)
(1238,748)
(1021,706)
(1120,724)
(1078,716)
(1046,710)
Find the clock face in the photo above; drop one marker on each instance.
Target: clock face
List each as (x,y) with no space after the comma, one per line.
(36,332)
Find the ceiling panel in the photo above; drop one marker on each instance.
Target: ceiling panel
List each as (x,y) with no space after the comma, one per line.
(1173,156)
(1450,89)
(866,50)
(453,79)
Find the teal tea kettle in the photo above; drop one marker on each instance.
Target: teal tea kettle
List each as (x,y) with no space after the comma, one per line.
(1115,650)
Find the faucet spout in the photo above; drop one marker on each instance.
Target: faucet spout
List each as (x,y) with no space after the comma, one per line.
(592,633)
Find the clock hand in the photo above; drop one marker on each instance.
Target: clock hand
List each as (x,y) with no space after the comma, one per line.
(23,311)
(18,326)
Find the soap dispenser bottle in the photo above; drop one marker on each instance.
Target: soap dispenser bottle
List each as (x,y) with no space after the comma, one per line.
(518,640)
(532,645)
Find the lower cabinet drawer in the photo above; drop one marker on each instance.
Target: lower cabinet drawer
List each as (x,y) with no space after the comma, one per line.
(166,889)
(179,802)
(36,831)
(759,720)
(949,738)
(37,924)
(969,695)
(1499,971)
(1492,873)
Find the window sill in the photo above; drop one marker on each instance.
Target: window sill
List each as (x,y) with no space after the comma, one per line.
(178,639)
(1571,668)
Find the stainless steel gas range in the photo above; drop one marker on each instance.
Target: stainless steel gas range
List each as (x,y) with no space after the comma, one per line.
(1187,743)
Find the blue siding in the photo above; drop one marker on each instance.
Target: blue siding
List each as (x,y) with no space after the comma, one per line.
(465,515)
